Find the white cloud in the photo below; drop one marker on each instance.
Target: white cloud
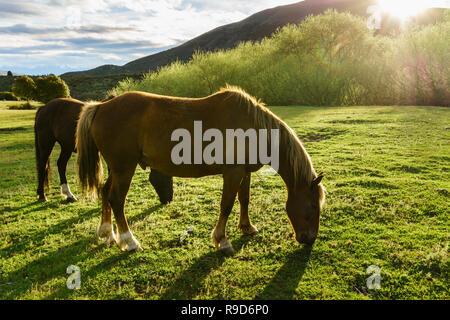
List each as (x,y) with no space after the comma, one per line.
(49,32)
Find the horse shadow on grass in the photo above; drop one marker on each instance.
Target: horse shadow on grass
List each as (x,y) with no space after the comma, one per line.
(145,213)
(286,280)
(281,287)
(188,285)
(37,237)
(12,213)
(43,269)
(26,205)
(54,265)
(91,272)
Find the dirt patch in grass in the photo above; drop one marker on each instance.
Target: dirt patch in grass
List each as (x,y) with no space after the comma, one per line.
(319,135)
(368,184)
(354,121)
(408,169)
(6,130)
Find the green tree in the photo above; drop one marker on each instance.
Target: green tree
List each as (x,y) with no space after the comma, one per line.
(24,87)
(9,74)
(51,87)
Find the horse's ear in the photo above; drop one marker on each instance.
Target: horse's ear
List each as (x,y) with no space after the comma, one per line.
(317,180)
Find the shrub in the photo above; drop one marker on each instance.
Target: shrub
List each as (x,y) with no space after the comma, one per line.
(24,106)
(423,74)
(9,96)
(328,59)
(51,87)
(24,87)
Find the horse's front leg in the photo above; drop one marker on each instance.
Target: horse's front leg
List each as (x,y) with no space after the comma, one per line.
(231,181)
(121,181)
(244,198)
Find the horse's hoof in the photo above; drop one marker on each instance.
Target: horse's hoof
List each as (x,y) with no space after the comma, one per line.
(250,230)
(127,242)
(106,234)
(228,251)
(226,248)
(131,249)
(165,202)
(41,200)
(71,199)
(137,249)
(108,240)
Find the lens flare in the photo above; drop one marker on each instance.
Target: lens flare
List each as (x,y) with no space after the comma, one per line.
(330,58)
(403,9)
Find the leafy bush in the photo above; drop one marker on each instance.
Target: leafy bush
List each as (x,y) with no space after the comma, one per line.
(51,87)
(24,87)
(423,57)
(24,106)
(329,59)
(9,96)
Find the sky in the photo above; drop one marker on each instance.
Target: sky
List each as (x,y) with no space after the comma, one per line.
(57,36)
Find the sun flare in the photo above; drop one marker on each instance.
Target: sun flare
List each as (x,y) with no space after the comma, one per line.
(403,9)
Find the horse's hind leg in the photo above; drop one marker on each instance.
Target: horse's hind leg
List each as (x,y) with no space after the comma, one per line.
(244,197)
(62,165)
(231,181)
(121,181)
(105,230)
(45,149)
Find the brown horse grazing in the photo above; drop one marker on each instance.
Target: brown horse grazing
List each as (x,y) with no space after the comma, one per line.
(137,128)
(56,122)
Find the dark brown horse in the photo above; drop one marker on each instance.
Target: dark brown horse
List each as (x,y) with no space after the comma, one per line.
(138,128)
(56,122)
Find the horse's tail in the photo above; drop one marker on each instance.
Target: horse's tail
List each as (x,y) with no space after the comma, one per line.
(46,173)
(90,170)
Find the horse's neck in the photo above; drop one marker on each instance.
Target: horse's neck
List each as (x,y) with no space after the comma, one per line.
(286,170)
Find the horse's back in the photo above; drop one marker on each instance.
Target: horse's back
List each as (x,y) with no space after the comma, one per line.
(58,119)
(138,127)
(142,116)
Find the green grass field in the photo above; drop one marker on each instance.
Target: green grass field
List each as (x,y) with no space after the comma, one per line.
(388,187)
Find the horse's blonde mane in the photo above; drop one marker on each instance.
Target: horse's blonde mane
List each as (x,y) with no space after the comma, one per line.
(300,162)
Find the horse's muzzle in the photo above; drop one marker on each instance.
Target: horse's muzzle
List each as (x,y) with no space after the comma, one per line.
(305,238)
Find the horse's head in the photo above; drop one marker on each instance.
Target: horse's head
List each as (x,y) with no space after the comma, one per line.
(303,209)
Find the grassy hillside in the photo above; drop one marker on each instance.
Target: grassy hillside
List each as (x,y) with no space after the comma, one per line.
(388,180)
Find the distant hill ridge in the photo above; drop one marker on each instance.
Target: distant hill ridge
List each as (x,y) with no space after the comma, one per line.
(5,73)
(253,28)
